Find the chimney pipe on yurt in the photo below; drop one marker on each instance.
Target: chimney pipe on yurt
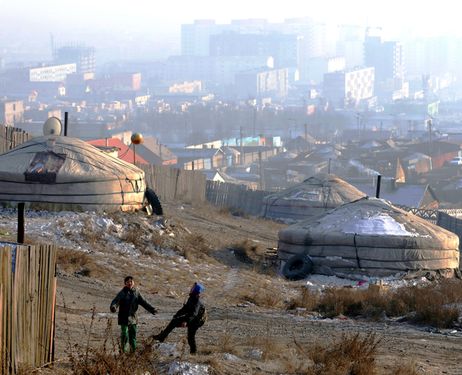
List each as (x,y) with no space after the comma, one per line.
(377,192)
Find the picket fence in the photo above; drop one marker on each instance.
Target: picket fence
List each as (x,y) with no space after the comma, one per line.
(235,197)
(173,185)
(11,137)
(27,306)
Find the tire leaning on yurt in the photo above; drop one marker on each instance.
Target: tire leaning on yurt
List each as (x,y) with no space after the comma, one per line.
(370,236)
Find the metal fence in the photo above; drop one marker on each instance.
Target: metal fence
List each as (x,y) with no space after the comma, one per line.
(27,305)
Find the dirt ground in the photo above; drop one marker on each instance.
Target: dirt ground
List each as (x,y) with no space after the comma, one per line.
(254,335)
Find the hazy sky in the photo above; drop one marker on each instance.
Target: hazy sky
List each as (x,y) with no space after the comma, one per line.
(145,14)
(34,20)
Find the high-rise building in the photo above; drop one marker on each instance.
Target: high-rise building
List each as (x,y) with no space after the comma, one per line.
(349,88)
(283,48)
(310,37)
(84,57)
(350,44)
(195,38)
(385,57)
(262,83)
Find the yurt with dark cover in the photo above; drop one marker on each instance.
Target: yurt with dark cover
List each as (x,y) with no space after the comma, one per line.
(370,236)
(57,172)
(312,197)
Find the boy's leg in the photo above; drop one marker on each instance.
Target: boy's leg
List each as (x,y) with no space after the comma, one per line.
(192,338)
(132,336)
(166,331)
(123,338)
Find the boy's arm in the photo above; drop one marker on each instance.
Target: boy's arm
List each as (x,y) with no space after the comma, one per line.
(146,304)
(189,311)
(115,302)
(194,311)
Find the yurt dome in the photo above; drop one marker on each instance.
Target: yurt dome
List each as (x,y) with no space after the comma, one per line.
(370,236)
(67,173)
(312,197)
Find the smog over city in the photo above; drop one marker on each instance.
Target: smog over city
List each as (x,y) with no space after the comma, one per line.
(274,77)
(281,180)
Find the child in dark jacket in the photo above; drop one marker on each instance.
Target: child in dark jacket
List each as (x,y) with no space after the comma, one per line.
(128,300)
(191,315)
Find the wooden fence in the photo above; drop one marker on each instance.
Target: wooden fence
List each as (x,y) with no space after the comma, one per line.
(27,305)
(172,184)
(235,197)
(11,137)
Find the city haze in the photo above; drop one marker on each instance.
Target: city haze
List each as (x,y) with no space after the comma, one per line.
(151,30)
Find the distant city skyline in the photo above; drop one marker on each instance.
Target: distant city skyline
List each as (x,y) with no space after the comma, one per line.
(155,28)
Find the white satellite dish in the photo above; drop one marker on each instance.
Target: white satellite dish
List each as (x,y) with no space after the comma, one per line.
(52,126)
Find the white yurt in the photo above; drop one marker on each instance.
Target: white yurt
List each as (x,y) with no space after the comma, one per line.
(312,197)
(56,172)
(370,236)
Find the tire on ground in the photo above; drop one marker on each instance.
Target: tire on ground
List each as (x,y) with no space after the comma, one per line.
(297,267)
(152,199)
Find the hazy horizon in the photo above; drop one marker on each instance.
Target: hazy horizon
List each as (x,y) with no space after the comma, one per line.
(153,30)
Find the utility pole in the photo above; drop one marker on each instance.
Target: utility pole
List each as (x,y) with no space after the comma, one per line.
(260,171)
(429,124)
(241,135)
(254,120)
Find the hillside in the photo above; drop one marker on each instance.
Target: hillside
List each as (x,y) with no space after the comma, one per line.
(254,326)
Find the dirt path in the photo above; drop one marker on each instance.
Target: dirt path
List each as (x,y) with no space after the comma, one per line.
(248,327)
(262,339)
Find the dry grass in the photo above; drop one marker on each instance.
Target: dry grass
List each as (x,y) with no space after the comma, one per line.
(134,234)
(107,359)
(76,262)
(88,233)
(305,298)
(432,304)
(409,368)
(246,251)
(263,298)
(352,354)
(195,247)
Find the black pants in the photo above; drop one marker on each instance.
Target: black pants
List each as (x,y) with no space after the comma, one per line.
(192,329)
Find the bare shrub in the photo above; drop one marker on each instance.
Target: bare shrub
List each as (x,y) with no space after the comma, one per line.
(334,302)
(245,251)
(134,234)
(75,262)
(195,247)
(107,359)
(263,298)
(431,309)
(352,354)
(305,299)
(433,304)
(89,234)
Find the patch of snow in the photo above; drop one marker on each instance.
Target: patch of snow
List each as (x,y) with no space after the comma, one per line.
(361,222)
(187,368)
(256,353)
(230,357)
(321,282)
(378,224)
